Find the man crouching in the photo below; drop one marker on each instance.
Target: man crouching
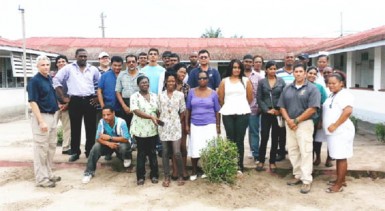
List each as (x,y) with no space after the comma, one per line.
(112,136)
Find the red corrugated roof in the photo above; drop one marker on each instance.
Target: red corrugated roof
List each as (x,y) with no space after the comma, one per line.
(365,37)
(220,48)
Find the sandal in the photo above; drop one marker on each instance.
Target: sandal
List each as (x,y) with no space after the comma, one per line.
(180,181)
(166,183)
(260,167)
(333,182)
(330,190)
(273,168)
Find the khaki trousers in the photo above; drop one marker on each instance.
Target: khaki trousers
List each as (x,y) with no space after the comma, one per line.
(66,126)
(300,148)
(44,146)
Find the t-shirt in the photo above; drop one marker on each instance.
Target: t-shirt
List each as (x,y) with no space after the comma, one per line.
(203,109)
(107,83)
(119,129)
(214,78)
(286,76)
(156,76)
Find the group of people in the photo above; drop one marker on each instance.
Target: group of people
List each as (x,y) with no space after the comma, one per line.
(148,106)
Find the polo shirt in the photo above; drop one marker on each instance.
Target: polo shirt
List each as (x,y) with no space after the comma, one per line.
(127,84)
(297,100)
(214,78)
(41,91)
(107,84)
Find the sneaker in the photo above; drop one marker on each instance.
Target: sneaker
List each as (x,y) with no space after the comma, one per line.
(55,179)
(87,178)
(293,182)
(305,188)
(250,156)
(204,176)
(46,184)
(193,177)
(127,163)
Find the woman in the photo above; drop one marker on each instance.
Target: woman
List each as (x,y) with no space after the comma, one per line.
(235,95)
(312,73)
(144,105)
(171,110)
(339,129)
(202,119)
(268,93)
(181,72)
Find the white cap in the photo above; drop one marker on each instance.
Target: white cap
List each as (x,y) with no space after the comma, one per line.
(103,54)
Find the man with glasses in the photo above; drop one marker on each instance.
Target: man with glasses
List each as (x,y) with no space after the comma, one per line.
(166,59)
(142,60)
(214,77)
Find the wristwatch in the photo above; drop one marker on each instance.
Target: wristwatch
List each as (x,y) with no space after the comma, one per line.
(296,121)
(111,138)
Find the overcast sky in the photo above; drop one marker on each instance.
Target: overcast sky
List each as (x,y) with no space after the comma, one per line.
(189,18)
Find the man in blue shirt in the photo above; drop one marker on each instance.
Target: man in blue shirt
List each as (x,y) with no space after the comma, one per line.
(42,99)
(112,136)
(214,77)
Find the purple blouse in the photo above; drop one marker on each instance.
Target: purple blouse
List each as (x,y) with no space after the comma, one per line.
(203,109)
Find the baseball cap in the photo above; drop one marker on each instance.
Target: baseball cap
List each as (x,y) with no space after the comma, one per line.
(303,56)
(103,54)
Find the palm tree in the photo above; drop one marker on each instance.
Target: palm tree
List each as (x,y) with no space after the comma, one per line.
(211,33)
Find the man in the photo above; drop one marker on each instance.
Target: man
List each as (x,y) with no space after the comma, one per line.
(193,62)
(112,136)
(286,73)
(258,64)
(166,59)
(80,78)
(174,59)
(126,85)
(154,71)
(304,59)
(299,101)
(63,114)
(254,77)
(214,77)
(42,99)
(104,62)
(142,60)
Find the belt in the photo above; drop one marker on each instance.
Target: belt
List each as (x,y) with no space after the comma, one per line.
(48,112)
(83,97)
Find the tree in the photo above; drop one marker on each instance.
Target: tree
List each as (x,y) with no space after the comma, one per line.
(211,33)
(236,36)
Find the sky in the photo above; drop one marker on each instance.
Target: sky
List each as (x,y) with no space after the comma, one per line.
(189,19)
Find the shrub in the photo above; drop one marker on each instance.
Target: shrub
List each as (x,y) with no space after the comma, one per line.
(355,122)
(220,161)
(59,136)
(380,132)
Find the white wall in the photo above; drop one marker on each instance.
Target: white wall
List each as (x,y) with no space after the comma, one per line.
(11,103)
(369,105)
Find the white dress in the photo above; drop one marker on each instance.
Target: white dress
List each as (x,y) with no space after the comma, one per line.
(340,142)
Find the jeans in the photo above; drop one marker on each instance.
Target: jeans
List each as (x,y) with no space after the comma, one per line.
(98,150)
(146,147)
(235,126)
(268,121)
(254,135)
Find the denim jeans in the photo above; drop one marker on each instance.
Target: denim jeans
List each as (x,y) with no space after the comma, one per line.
(254,134)
(235,126)
(98,150)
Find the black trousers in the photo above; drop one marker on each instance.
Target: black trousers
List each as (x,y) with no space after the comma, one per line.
(146,147)
(268,121)
(282,141)
(80,108)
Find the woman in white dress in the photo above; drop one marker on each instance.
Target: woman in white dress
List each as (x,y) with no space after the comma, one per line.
(338,127)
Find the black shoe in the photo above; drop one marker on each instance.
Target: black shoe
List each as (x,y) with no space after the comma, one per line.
(279,158)
(66,152)
(74,158)
(154,180)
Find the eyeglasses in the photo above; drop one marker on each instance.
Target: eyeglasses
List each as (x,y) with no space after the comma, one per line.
(203,57)
(202,78)
(131,62)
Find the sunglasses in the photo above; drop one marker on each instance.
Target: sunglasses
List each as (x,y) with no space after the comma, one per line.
(202,78)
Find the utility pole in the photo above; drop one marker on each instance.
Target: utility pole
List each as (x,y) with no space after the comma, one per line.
(341,23)
(102,16)
(24,65)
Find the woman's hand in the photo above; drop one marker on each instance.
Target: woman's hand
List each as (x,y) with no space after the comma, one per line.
(187,129)
(154,120)
(332,128)
(218,129)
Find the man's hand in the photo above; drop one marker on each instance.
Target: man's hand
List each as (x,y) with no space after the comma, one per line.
(94,101)
(66,100)
(126,109)
(112,145)
(43,127)
(291,124)
(105,137)
(63,107)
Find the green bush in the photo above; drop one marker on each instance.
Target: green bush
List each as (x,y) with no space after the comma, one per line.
(380,132)
(355,122)
(59,136)
(220,161)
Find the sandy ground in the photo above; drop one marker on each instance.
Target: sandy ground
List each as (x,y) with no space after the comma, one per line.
(114,190)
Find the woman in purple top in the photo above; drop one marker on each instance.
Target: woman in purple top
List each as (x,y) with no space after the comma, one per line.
(202,119)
